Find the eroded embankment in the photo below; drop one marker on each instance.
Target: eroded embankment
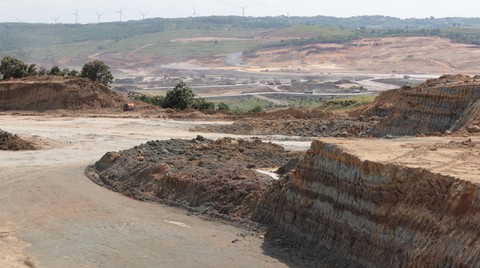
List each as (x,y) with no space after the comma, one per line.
(450,103)
(56,92)
(381,215)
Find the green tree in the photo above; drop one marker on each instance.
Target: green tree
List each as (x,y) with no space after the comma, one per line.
(97,71)
(55,70)
(32,69)
(181,97)
(13,68)
(74,73)
(43,71)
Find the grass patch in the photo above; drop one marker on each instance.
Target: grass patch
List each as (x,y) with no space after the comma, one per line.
(247,104)
(346,104)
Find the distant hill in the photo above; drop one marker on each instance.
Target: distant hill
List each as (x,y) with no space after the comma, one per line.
(169,40)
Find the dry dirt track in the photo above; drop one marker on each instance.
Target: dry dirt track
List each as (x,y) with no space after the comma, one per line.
(51,215)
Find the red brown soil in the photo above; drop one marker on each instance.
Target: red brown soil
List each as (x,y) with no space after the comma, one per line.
(11,142)
(211,177)
(55,92)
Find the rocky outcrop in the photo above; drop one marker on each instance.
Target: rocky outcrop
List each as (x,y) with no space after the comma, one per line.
(380,215)
(448,103)
(55,92)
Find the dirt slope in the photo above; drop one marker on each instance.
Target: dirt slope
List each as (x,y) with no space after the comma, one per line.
(54,92)
(373,55)
(450,103)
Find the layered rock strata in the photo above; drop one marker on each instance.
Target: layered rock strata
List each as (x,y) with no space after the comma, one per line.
(55,92)
(448,103)
(380,215)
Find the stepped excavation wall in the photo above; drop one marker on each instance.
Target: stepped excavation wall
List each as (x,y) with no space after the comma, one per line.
(449,103)
(380,215)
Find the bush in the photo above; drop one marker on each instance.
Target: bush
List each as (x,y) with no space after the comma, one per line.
(256,109)
(222,106)
(201,104)
(181,97)
(154,100)
(55,70)
(13,68)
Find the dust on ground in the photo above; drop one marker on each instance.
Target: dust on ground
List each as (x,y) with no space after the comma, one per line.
(61,218)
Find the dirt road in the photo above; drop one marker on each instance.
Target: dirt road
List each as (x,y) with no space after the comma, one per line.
(51,215)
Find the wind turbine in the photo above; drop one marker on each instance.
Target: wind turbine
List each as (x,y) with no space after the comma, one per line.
(76,16)
(243,10)
(99,16)
(143,14)
(120,12)
(55,19)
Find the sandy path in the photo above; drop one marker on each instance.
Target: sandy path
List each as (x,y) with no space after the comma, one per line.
(51,214)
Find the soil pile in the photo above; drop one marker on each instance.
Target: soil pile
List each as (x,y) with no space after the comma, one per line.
(326,125)
(211,177)
(11,142)
(56,92)
(450,103)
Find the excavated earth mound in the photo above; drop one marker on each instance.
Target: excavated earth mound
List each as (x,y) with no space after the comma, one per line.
(380,215)
(56,92)
(211,177)
(450,103)
(11,142)
(323,126)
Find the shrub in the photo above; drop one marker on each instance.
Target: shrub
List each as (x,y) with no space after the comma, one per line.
(181,97)
(201,104)
(13,68)
(256,109)
(222,106)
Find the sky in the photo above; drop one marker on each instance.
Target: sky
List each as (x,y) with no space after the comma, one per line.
(47,11)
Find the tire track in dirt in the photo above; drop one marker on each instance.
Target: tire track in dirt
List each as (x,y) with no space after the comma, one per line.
(59,218)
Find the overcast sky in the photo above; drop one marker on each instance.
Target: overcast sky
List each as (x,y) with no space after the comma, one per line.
(47,10)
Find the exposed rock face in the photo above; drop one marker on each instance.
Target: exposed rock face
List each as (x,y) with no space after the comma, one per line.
(55,92)
(380,215)
(448,103)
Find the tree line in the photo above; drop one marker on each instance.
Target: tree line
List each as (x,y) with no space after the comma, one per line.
(182,97)
(96,70)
